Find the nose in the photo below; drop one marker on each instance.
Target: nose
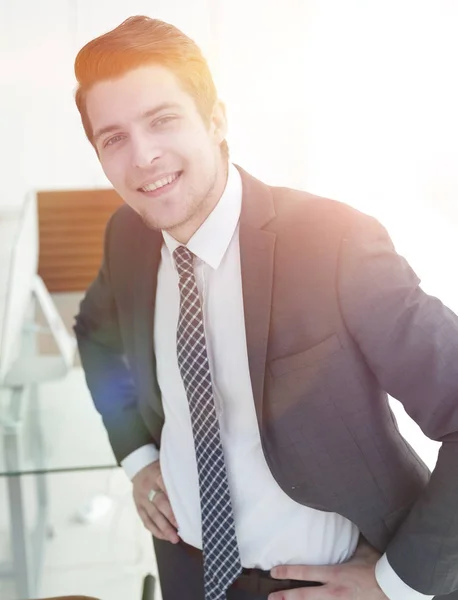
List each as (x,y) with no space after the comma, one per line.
(144,152)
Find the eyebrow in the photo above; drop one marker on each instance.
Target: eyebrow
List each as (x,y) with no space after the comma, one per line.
(145,115)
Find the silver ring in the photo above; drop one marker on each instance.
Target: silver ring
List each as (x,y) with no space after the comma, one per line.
(151,495)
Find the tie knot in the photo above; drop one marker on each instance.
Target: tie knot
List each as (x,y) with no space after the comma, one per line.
(184,260)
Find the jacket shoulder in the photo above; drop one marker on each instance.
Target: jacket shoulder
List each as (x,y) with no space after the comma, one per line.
(125,226)
(124,219)
(302,211)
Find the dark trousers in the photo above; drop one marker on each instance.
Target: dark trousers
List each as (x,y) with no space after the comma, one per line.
(182,575)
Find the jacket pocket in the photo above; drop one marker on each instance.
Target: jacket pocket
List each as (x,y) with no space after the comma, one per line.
(309,357)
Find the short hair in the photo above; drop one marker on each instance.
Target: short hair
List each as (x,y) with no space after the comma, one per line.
(141,41)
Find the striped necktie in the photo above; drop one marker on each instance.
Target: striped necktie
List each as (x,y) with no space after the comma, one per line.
(220,551)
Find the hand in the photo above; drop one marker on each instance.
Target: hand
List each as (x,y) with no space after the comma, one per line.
(157,516)
(351,580)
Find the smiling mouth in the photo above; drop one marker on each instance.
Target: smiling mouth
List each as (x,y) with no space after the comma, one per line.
(161,184)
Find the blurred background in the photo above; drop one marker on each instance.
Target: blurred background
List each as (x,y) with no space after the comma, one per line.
(353,100)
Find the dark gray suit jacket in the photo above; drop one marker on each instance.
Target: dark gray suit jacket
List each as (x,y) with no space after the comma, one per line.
(335,319)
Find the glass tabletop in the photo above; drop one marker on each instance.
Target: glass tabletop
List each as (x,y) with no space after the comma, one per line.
(54,428)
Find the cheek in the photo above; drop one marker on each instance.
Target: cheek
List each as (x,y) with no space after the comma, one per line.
(114,171)
(191,142)
(200,158)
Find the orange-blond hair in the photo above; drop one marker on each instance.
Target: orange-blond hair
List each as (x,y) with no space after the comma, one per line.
(140,41)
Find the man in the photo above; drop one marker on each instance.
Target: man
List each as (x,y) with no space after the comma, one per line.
(239,342)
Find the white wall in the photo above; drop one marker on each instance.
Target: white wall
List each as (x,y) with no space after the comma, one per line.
(382,122)
(261,75)
(382,112)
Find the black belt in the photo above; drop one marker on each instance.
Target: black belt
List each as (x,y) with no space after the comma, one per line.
(256,581)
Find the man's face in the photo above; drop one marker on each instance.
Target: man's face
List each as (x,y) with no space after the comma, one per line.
(155,148)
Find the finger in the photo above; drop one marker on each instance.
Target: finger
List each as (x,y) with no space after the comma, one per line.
(163,525)
(322,574)
(149,524)
(162,503)
(167,511)
(155,529)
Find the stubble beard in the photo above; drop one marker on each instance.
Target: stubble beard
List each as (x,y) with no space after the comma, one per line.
(196,207)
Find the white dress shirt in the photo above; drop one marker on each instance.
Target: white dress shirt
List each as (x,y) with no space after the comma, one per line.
(272,529)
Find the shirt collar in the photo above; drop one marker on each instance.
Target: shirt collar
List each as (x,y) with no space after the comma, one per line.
(213,237)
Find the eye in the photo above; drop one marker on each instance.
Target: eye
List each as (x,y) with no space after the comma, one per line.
(113,140)
(163,121)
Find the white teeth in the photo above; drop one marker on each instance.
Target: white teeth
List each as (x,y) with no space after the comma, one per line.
(160,183)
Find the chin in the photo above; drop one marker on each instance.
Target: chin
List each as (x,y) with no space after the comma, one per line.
(151,222)
(159,223)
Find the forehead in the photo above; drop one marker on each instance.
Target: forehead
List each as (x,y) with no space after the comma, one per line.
(123,99)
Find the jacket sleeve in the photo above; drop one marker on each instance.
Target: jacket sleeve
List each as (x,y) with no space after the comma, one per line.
(410,341)
(107,371)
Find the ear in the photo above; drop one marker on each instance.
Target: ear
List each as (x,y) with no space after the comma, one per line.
(218,125)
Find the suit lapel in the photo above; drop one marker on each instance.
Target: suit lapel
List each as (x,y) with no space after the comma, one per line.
(257,263)
(146,260)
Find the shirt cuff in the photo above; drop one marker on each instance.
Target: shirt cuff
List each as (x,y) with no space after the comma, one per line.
(139,459)
(392,585)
